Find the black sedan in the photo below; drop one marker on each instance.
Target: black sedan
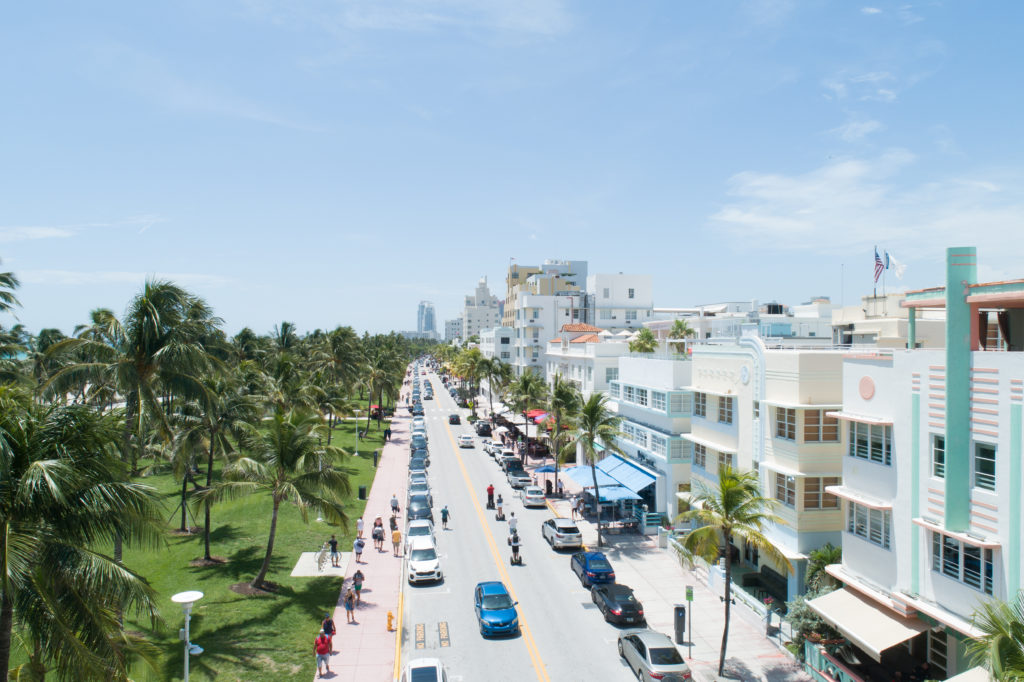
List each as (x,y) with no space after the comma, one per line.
(454,419)
(419,508)
(618,604)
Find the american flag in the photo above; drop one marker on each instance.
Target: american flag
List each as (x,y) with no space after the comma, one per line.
(879,266)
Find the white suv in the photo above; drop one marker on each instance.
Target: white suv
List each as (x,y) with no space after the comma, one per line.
(424,565)
(561,533)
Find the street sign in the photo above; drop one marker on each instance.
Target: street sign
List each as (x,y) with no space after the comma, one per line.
(689,593)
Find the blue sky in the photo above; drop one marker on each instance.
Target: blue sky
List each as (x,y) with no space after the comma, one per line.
(335,161)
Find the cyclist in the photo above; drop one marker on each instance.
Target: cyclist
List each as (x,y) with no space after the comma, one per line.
(444,517)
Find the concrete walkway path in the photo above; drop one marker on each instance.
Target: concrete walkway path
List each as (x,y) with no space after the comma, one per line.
(365,650)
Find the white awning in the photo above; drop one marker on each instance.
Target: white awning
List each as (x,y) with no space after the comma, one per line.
(965,538)
(699,389)
(870,626)
(862,418)
(858,497)
(977,674)
(800,406)
(786,471)
(717,447)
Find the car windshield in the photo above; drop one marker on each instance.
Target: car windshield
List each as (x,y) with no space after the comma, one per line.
(665,656)
(423,675)
(497,601)
(623,596)
(599,565)
(419,530)
(423,555)
(567,529)
(418,504)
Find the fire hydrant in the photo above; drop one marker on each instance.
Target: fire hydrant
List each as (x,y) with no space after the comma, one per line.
(391,621)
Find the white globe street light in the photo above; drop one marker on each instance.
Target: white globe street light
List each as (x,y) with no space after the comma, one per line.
(187,599)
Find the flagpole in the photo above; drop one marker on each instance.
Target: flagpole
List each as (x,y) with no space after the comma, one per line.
(874,286)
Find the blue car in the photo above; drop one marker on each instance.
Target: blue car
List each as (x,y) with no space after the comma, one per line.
(495,610)
(592,568)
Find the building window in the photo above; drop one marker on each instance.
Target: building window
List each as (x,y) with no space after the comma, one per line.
(872,525)
(700,456)
(505,340)
(641,397)
(607,292)
(785,423)
(725,410)
(630,315)
(679,403)
(613,390)
(590,374)
(962,562)
(984,466)
(606,313)
(659,444)
(785,489)
(611,374)
(938,456)
(725,460)
(815,496)
(658,401)
(872,442)
(632,293)
(504,355)
(681,450)
(757,409)
(700,404)
(938,653)
(627,393)
(819,427)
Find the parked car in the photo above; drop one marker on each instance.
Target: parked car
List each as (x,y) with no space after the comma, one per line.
(419,423)
(424,670)
(419,508)
(494,448)
(417,443)
(653,656)
(424,566)
(517,478)
(532,496)
(420,488)
(420,528)
(561,533)
(495,610)
(466,441)
(418,477)
(454,419)
(482,428)
(592,568)
(509,460)
(428,396)
(421,454)
(618,604)
(417,410)
(417,466)
(420,432)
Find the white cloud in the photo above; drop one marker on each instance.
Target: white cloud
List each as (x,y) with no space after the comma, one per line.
(856,130)
(82,278)
(854,203)
(19,233)
(863,86)
(870,10)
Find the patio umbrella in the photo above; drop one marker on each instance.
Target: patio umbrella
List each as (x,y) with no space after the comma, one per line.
(546,469)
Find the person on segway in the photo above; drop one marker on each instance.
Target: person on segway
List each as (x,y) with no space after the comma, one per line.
(490,496)
(513,541)
(500,516)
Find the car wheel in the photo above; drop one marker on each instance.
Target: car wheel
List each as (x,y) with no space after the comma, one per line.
(639,673)
(622,654)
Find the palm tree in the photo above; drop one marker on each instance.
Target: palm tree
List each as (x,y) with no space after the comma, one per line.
(817,577)
(64,492)
(155,346)
(734,508)
(526,392)
(287,462)
(681,329)
(564,401)
(596,425)
(8,283)
(643,342)
(498,374)
(1001,648)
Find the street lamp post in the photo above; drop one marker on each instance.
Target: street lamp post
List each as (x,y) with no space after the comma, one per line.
(187,599)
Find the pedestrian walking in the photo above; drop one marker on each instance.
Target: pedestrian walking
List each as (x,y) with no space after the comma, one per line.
(572,508)
(394,504)
(359,527)
(561,488)
(327,627)
(393,522)
(357,546)
(580,506)
(445,514)
(322,648)
(357,584)
(396,539)
(350,606)
(335,558)
(378,534)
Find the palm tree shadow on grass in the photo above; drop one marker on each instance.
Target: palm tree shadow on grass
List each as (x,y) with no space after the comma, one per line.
(241,565)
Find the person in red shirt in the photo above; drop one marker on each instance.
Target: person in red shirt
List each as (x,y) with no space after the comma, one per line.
(322,647)
(490,496)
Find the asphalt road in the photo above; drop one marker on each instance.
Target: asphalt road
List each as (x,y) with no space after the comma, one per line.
(563,635)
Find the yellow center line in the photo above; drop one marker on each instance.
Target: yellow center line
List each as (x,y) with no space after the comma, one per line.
(531,645)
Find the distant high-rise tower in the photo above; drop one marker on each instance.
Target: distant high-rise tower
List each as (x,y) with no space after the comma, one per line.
(425,318)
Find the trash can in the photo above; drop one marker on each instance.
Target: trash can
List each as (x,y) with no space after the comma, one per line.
(376,455)
(663,538)
(362,492)
(679,618)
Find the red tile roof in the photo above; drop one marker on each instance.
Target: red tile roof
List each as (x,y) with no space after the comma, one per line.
(587,338)
(580,327)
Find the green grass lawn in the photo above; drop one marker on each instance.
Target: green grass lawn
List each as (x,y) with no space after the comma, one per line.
(248,638)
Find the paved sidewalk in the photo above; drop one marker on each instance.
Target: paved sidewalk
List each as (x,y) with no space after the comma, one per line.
(660,580)
(365,651)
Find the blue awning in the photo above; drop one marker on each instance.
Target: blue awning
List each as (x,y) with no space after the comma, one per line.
(614,493)
(626,473)
(583,475)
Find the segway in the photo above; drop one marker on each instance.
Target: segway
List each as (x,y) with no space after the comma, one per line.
(500,515)
(516,559)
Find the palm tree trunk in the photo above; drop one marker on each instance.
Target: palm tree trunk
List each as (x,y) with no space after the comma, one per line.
(330,425)
(206,511)
(257,582)
(597,501)
(369,402)
(184,495)
(6,625)
(728,603)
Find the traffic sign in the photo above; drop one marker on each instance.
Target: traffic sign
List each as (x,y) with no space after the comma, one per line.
(689,593)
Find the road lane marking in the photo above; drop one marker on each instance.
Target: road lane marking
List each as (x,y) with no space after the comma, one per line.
(442,633)
(531,645)
(421,636)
